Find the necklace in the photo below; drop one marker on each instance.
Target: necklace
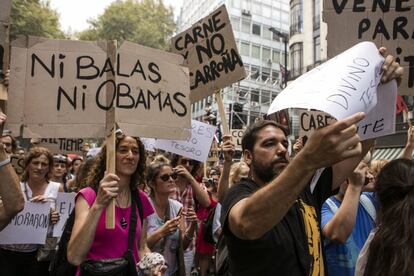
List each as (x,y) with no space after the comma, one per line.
(123,221)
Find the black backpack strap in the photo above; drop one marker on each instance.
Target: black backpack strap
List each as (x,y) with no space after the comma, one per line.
(133,223)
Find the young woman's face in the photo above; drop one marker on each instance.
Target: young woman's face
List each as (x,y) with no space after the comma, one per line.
(76,165)
(127,156)
(165,182)
(59,169)
(38,167)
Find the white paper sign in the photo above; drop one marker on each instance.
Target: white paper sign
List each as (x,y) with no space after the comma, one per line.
(149,143)
(29,226)
(65,202)
(342,86)
(196,147)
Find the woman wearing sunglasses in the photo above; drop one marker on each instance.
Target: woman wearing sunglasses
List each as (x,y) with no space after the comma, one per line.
(166,227)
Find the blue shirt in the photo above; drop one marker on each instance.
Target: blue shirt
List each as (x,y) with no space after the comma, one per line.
(341,258)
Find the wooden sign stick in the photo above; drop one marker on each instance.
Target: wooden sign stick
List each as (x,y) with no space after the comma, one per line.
(111,138)
(6,57)
(222,112)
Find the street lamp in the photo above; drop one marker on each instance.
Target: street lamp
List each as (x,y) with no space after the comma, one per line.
(285,38)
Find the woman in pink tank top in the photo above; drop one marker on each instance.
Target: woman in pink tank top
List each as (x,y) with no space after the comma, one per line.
(90,240)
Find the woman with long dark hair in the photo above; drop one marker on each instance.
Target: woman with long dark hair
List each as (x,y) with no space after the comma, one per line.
(390,248)
(90,240)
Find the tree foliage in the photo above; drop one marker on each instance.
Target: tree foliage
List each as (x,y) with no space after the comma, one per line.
(146,22)
(34,17)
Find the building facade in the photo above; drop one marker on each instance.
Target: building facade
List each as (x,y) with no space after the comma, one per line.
(262,53)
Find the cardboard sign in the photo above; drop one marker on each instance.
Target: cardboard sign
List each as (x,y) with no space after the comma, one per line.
(210,51)
(60,89)
(63,145)
(196,147)
(17,162)
(309,121)
(386,23)
(65,202)
(237,135)
(213,154)
(341,86)
(29,226)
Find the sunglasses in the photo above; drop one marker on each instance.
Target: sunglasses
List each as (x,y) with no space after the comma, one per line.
(166,177)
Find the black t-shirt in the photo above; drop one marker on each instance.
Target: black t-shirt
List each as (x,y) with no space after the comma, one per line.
(293,246)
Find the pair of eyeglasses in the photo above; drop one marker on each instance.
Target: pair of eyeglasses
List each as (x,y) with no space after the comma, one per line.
(166,177)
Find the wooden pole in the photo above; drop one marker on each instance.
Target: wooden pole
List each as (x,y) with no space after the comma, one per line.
(6,57)
(222,112)
(111,136)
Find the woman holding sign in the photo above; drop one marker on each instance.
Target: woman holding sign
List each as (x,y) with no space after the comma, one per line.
(31,259)
(90,241)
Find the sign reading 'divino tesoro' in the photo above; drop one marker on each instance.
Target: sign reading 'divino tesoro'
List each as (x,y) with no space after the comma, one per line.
(210,51)
(60,89)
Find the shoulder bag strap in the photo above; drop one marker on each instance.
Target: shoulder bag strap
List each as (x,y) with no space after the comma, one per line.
(332,205)
(133,223)
(368,206)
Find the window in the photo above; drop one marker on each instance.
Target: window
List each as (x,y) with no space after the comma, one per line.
(245,49)
(265,97)
(316,14)
(275,76)
(296,59)
(246,27)
(255,73)
(275,56)
(256,51)
(236,3)
(256,29)
(316,49)
(283,60)
(257,8)
(266,54)
(235,23)
(255,95)
(265,74)
(267,11)
(296,21)
(266,33)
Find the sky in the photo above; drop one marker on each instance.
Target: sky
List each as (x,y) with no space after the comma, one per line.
(75,13)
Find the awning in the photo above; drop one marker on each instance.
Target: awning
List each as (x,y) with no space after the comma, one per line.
(387,153)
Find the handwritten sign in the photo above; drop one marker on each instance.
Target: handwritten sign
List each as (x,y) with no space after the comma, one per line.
(309,121)
(63,145)
(65,202)
(210,51)
(149,144)
(237,135)
(60,89)
(29,226)
(341,86)
(17,161)
(196,147)
(386,23)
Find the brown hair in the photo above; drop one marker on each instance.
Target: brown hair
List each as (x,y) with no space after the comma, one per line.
(235,171)
(153,170)
(35,153)
(250,137)
(98,168)
(392,248)
(376,166)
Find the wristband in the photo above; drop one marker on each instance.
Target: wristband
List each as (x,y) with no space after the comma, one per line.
(4,162)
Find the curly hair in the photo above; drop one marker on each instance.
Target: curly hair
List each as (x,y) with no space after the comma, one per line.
(35,153)
(98,168)
(392,248)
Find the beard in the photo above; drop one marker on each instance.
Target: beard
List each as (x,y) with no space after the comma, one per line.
(267,172)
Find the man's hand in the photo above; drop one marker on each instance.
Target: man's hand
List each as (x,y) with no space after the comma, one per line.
(391,69)
(334,143)
(183,172)
(228,148)
(297,146)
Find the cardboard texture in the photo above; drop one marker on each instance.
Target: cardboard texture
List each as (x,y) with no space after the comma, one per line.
(237,135)
(350,22)
(310,120)
(154,103)
(210,52)
(63,145)
(68,98)
(5,10)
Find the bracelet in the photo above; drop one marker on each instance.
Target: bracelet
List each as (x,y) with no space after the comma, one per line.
(4,162)
(188,237)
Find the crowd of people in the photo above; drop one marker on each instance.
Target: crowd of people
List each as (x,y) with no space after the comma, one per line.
(327,209)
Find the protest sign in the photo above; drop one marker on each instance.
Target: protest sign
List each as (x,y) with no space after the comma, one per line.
(65,202)
(64,88)
(29,226)
(149,143)
(386,23)
(237,135)
(63,145)
(17,161)
(213,154)
(309,121)
(210,51)
(350,87)
(196,147)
